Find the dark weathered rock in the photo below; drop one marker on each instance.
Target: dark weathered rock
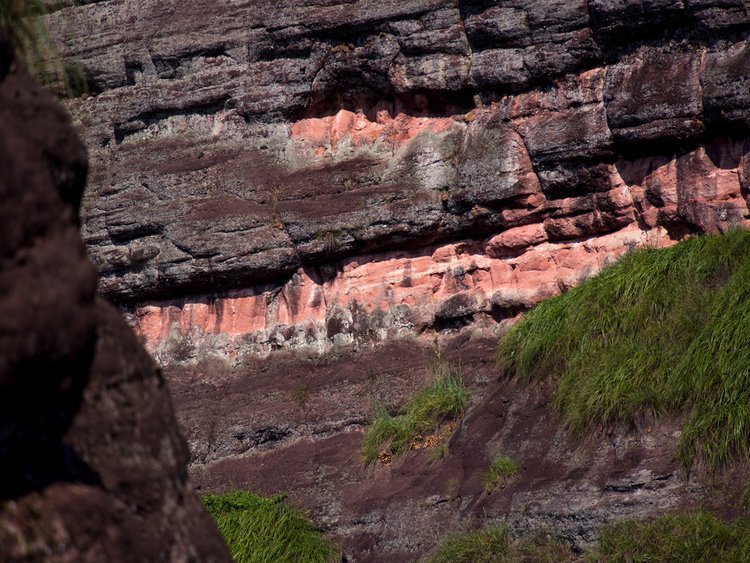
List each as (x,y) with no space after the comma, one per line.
(617,23)
(725,89)
(94,466)
(208,177)
(295,424)
(655,95)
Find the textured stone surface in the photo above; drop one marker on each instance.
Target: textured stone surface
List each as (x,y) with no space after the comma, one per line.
(94,467)
(296,174)
(383,296)
(545,249)
(232,147)
(294,424)
(264,169)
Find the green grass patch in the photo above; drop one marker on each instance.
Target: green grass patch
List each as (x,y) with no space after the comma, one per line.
(266,530)
(445,399)
(24,21)
(662,331)
(493,544)
(696,537)
(503,468)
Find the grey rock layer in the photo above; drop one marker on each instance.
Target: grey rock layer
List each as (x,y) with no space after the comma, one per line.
(199,184)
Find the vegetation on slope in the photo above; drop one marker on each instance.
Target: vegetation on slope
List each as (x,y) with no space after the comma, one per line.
(493,544)
(502,469)
(697,537)
(663,331)
(266,530)
(24,21)
(443,400)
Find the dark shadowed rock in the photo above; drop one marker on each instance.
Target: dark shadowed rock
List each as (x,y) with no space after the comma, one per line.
(726,93)
(655,95)
(94,466)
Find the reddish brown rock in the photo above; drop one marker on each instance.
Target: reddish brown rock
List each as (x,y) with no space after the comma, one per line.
(382,296)
(227,160)
(94,466)
(294,424)
(376,296)
(311,175)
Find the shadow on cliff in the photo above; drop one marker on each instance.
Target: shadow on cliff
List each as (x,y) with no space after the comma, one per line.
(361,98)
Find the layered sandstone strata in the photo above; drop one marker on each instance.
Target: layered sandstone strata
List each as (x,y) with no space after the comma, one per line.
(269,175)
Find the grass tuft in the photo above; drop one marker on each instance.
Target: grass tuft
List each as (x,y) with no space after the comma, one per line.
(24,21)
(662,331)
(500,472)
(481,546)
(445,399)
(265,530)
(21,19)
(695,537)
(493,544)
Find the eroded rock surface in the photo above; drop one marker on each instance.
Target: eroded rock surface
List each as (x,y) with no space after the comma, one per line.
(276,175)
(93,464)
(294,424)
(266,174)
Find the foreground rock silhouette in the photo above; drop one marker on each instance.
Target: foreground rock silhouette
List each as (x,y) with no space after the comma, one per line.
(93,463)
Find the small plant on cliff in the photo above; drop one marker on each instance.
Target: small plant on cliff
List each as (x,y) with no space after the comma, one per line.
(493,544)
(662,331)
(21,19)
(440,452)
(181,348)
(265,530)
(24,22)
(444,400)
(331,240)
(694,537)
(300,394)
(489,544)
(501,471)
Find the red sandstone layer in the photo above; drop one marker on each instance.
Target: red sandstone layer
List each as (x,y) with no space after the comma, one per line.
(384,294)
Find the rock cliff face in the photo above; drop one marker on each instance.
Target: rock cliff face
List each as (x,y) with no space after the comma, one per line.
(299,175)
(268,175)
(294,425)
(94,467)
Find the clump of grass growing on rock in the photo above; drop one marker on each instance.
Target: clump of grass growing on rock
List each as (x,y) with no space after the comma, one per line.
(503,468)
(265,530)
(445,399)
(439,452)
(662,331)
(481,546)
(24,22)
(493,544)
(695,537)
(21,19)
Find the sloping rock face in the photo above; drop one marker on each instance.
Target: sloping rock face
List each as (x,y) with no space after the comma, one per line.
(294,425)
(276,174)
(93,465)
